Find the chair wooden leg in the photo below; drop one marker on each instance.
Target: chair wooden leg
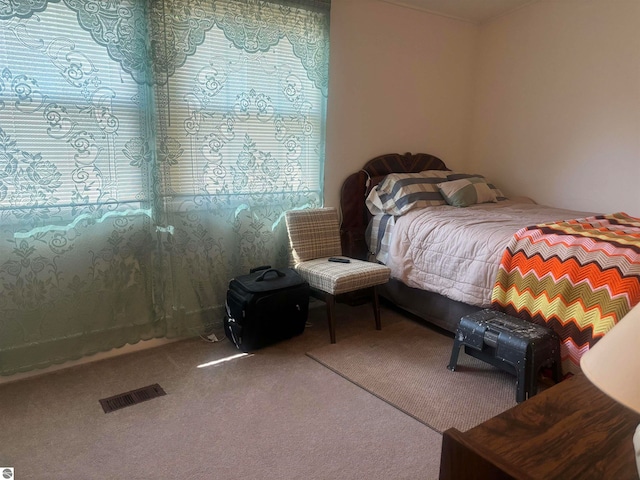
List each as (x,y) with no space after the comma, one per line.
(376,307)
(330,300)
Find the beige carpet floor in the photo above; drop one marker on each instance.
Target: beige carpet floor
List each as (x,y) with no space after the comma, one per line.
(273,415)
(405,365)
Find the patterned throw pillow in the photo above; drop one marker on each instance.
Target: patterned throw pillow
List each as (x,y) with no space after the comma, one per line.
(457,176)
(467,191)
(400,192)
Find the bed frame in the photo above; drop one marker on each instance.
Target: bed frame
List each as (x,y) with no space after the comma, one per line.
(432,307)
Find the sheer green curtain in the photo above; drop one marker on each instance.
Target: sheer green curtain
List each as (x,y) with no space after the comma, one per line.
(148,150)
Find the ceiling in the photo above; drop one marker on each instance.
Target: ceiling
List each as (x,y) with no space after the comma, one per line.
(475,11)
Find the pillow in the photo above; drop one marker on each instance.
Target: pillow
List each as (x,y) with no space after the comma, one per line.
(400,192)
(467,191)
(457,176)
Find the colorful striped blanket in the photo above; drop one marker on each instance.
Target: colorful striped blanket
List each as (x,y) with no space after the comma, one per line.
(577,277)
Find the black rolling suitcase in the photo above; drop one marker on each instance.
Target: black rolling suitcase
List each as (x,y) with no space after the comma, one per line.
(265,306)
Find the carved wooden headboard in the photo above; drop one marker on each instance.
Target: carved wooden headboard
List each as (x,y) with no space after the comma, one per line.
(356,187)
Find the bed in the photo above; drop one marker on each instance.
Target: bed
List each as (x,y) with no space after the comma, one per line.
(447,262)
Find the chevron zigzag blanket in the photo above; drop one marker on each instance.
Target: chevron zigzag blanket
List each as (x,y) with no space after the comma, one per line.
(577,277)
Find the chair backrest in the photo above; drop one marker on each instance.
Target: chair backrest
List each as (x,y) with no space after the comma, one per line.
(313,233)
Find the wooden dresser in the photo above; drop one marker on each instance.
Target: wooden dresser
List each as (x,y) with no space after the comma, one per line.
(570,431)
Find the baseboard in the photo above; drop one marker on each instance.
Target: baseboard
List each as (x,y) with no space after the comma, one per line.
(128,348)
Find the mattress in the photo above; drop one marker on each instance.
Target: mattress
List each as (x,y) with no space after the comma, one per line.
(456,252)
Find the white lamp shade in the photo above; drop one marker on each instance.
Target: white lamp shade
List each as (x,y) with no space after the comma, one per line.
(613,363)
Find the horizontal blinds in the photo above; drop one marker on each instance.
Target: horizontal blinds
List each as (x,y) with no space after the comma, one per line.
(72,122)
(76,133)
(312,5)
(247,123)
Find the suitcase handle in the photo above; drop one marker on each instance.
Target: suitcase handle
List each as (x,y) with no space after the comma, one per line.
(262,275)
(257,269)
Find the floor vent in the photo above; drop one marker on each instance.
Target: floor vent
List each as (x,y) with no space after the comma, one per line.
(131,398)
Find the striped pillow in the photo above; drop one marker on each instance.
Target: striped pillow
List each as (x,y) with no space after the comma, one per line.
(400,192)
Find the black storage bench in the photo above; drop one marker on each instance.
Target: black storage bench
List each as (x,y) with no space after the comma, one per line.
(511,344)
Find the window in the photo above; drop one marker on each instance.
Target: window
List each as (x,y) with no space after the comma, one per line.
(148,151)
(242,117)
(70,129)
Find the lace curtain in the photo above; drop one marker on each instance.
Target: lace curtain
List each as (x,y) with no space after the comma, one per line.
(148,151)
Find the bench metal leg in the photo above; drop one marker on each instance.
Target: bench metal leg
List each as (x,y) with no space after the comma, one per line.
(453,362)
(524,379)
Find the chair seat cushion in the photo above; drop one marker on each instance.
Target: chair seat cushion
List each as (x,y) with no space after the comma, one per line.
(337,278)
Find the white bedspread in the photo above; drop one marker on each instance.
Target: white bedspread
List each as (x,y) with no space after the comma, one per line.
(456,251)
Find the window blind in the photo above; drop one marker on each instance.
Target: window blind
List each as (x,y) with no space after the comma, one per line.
(72,124)
(243,123)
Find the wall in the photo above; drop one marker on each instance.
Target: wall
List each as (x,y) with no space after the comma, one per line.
(127,348)
(557,104)
(400,80)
